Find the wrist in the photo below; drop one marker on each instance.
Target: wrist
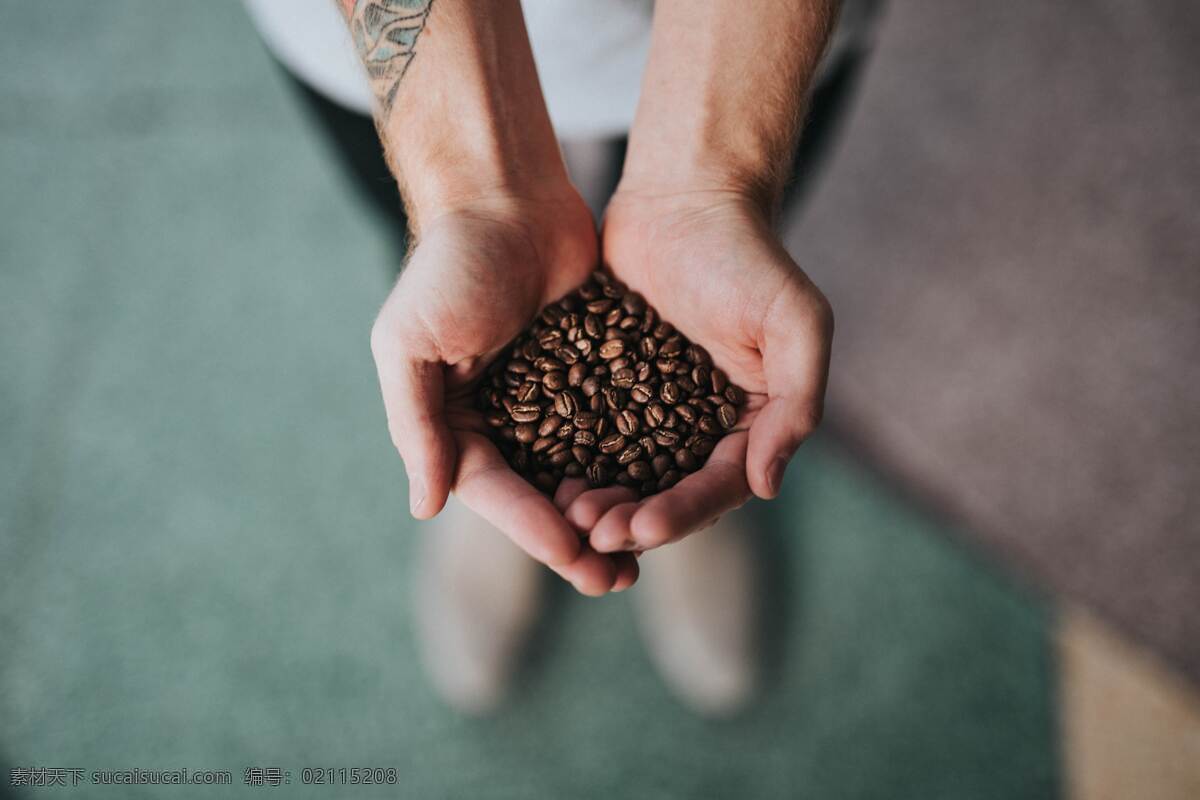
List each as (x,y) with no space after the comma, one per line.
(702,176)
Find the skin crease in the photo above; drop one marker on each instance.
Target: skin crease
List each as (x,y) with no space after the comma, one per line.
(500,232)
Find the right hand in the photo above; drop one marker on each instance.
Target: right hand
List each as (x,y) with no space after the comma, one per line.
(477,276)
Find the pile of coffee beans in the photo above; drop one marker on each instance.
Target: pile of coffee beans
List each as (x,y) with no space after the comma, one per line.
(600,387)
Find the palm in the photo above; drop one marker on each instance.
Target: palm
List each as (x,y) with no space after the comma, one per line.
(717,273)
(472,283)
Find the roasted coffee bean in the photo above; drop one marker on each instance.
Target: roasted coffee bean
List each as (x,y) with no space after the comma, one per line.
(528,391)
(669,392)
(627,423)
(612,444)
(601,387)
(686,460)
(598,475)
(631,453)
(566,404)
(649,446)
(686,413)
(666,437)
(611,349)
(661,463)
(549,425)
(727,416)
(526,412)
(655,414)
(639,471)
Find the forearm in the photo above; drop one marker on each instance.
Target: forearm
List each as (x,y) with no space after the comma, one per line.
(723,95)
(459,108)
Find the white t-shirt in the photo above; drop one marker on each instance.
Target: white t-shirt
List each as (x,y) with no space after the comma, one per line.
(590,54)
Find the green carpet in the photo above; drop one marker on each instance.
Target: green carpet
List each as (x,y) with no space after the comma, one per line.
(204,551)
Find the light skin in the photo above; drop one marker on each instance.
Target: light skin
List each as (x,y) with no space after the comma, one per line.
(500,232)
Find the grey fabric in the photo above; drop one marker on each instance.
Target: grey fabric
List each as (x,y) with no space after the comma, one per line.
(1010,235)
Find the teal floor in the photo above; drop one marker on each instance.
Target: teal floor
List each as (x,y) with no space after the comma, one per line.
(204,551)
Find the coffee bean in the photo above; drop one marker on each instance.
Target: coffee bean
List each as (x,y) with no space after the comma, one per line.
(612,444)
(727,415)
(669,392)
(639,470)
(566,404)
(666,437)
(526,412)
(611,349)
(549,425)
(593,326)
(622,378)
(631,453)
(598,475)
(655,414)
(601,387)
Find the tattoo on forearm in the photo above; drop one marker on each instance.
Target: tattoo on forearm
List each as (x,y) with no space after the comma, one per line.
(385,33)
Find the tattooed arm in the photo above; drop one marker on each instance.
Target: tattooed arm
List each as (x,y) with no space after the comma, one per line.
(458,104)
(500,232)
(690,227)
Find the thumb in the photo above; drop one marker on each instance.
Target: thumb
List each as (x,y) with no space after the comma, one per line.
(795,346)
(414,398)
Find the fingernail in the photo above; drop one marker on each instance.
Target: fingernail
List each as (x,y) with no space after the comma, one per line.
(775,474)
(416,495)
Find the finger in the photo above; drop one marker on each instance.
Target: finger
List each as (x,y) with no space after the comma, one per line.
(592,573)
(413,396)
(589,506)
(719,486)
(796,343)
(611,532)
(567,491)
(490,488)
(627,571)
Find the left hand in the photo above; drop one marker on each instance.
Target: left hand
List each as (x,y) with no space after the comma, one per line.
(711,265)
